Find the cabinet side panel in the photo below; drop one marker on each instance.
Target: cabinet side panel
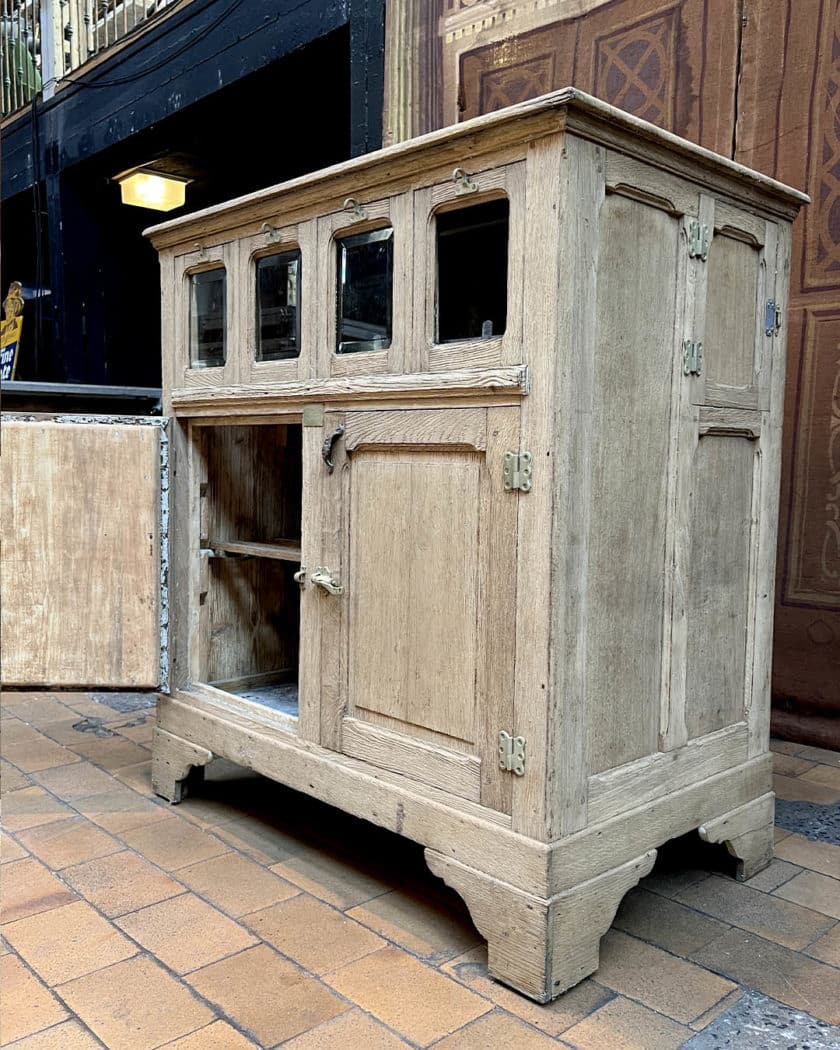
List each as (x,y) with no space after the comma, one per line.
(633,376)
(718,583)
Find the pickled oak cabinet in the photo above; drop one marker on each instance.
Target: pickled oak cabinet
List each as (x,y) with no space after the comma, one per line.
(475,448)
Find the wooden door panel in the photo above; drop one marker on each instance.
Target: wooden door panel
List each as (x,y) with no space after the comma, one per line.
(423,535)
(413,588)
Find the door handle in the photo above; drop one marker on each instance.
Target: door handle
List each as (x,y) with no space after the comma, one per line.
(323,577)
(327,447)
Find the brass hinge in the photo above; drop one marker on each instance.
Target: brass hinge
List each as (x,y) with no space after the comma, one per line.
(518,471)
(698,240)
(692,357)
(512,753)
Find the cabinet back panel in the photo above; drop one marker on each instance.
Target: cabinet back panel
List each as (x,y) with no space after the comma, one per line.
(254,482)
(413,588)
(254,618)
(633,375)
(729,346)
(718,582)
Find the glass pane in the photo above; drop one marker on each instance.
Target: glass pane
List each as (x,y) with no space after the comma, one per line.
(472,259)
(278,296)
(365,291)
(208,321)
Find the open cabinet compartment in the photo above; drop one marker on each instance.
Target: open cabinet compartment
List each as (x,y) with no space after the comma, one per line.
(250,521)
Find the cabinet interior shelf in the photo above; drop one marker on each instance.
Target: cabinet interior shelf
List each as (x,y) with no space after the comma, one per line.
(281,550)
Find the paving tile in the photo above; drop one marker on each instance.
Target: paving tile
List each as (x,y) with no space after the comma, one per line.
(415,1000)
(39,709)
(75,781)
(82,704)
(704,1020)
(266,995)
(790,765)
(17,732)
(785,747)
(67,942)
(174,843)
(819,892)
(111,752)
(69,731)
(496,1029)
(67,1036)
(34,755)
(820,754)
(796,789)
(818,856)
(423,923)
(333,879)
(792,978)
(9,849)
(668,985)
(27,1006)
(67,842)
(216,1036)
(670,883)
(142,733)
(120,883)
(665,923)
(11,778)
(259,839)
(27,888)
(827,775)
(135,1005)
(347,1032)
(768,916)
(236,884)
(30,807)
(625,1025)
(138,777)
(827,947)
(470,969)
(779,834)
(186,933)
(207,812)
(119,809)
(776,873)
(289,926)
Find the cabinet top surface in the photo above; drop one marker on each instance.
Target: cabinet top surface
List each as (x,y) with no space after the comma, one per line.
(567,108)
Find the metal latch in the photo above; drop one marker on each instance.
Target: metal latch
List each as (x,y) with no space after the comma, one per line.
(512,753)
(772,318)
(323,577)
(518,471)
(698,240)
(692,357)
(464,183)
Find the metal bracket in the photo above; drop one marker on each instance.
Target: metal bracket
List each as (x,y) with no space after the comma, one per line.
(698,240)
(272,233)
(356,210)
(313,415)
(512,753)
(772,318)
(463,182)
(692,358)
(517,472)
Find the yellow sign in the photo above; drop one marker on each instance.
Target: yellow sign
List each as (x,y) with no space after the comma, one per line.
(10,331)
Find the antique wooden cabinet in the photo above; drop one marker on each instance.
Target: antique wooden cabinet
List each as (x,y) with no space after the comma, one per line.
(475,461)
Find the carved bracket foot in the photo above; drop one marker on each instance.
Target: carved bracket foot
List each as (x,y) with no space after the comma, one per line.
(536,945)
(172,761)
(748,834)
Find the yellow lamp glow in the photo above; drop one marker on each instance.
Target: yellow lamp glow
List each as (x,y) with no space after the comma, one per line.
(143,188)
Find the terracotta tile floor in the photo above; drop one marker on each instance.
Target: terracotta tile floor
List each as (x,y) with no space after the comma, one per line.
(250,916)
